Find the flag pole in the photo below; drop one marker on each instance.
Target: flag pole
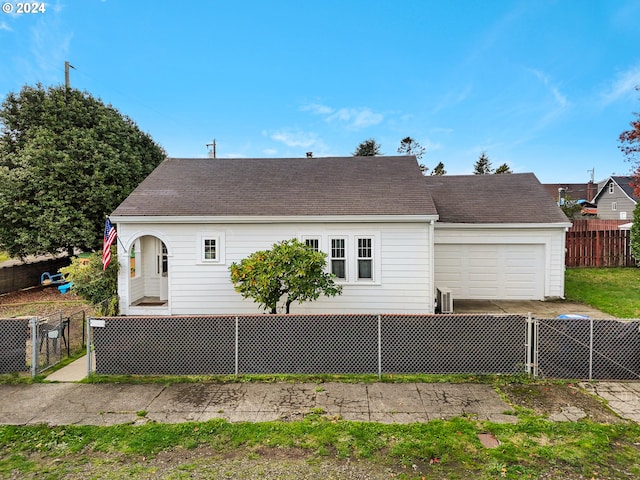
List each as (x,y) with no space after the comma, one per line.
(117,236)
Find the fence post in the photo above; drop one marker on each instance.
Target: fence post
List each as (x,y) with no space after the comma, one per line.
(88,327)
(590,349)
(379,347)
(34,346)
(528,344)
(236,348)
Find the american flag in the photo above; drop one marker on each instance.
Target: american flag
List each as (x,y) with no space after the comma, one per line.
(109,237)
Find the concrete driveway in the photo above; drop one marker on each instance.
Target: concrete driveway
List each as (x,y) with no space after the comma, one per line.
(539,309)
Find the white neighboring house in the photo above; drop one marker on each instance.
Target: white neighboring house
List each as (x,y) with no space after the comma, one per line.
(391,235)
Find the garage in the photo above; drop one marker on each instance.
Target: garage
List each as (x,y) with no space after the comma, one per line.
(491,271)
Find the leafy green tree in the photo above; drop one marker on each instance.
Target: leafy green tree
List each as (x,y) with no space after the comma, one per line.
(483,165)
(630,146)
(89,281)
(66,160)
(635,234)
(570,207)
(439,170)
(368,148)
(290,269)
(504,168)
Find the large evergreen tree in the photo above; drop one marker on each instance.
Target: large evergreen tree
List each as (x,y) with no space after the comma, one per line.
(368,148)
(483,165)
(66,160)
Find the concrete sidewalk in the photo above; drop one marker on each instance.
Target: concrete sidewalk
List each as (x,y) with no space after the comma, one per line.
(109,404)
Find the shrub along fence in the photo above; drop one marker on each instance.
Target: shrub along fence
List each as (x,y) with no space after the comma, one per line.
(366,344)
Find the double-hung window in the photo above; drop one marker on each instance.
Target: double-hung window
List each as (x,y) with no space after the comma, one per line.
(365,258)
(313,243)
(339,258)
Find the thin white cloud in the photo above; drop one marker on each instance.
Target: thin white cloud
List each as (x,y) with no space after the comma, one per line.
(317,109)
(352,118)
(452,98)
(4,26)
(623,86)
(356,118)
(560,99)
(295,139)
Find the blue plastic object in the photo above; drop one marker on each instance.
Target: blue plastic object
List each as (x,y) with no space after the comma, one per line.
(572,316)
(64,288)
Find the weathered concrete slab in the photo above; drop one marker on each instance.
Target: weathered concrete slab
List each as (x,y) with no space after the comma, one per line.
(108,404)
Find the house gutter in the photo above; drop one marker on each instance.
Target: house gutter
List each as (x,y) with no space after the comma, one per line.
(479,226)
(275,219)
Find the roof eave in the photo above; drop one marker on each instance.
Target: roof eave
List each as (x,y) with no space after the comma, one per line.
(123,219)
(445,225)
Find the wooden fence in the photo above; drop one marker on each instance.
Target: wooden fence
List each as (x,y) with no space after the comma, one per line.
(598,243)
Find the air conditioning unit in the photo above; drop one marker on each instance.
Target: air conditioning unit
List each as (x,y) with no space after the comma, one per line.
(444,300)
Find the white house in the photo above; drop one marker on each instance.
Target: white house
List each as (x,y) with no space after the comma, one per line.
(391,235)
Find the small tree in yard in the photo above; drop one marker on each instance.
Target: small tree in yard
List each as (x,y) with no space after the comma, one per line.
(290,269)
(90,282)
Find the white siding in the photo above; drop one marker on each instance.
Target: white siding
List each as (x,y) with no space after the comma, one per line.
(500,263)
(403,278)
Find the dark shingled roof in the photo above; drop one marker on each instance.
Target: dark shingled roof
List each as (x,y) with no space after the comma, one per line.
(624,182)
(281,186)
(506,198)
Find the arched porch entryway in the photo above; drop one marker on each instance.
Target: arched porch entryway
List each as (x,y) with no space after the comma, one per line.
(148,272)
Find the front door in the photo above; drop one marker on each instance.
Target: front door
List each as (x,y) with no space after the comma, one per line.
(163,270)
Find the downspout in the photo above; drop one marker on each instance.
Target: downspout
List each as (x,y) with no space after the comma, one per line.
(432,267)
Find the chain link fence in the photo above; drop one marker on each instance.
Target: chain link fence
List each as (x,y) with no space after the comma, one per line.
(587,349)
(308,344)
(35,344)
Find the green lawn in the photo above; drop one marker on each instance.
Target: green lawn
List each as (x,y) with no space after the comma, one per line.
(615,291)
(439,449)
(4,256)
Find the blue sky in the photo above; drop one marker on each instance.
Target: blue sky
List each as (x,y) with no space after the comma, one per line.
(545,86)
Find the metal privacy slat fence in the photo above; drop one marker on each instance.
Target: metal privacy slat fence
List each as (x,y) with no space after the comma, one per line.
(443,344)
(14,337)
(591,349)
(165,346)
(32,344)
(310,344)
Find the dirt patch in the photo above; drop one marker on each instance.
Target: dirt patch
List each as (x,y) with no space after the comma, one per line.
(40,302)
(51,306)
(550,399)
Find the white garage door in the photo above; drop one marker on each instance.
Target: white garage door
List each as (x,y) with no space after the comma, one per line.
(502,272)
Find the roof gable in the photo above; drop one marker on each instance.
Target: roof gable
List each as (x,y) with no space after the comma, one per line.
(281,187)
(623,182)
(508,198)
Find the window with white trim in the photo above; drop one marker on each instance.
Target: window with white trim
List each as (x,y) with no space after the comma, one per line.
(614,206)
(338,257)
(365,258)
(313,243)
(611,187)
(209,249)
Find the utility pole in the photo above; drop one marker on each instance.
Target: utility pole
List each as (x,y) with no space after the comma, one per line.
(67,65)
(212,149)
